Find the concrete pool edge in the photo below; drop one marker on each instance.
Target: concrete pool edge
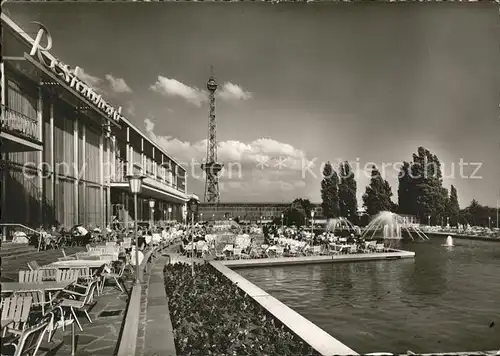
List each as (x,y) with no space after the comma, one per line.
(288,261)
(309,332)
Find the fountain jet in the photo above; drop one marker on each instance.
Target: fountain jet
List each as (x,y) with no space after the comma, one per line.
(392,225)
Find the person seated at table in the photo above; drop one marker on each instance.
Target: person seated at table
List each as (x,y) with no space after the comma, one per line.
(148,237)
(20,237)
(141,240)
(133,256)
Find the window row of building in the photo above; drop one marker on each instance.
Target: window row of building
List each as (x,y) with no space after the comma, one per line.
(253,212)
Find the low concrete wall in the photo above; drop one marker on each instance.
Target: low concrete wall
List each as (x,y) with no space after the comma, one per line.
(460,236)
(159,334)
(129,335)
(316,337)
(128,340)
(284,261)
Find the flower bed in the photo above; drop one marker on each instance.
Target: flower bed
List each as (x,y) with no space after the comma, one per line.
(212,316)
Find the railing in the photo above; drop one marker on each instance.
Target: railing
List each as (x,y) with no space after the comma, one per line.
(6,227)
(18,123)
(121,171)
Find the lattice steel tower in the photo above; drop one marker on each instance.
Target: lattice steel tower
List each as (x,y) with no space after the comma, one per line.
(211,167)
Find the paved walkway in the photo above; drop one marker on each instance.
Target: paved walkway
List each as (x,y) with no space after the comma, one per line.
(99,338)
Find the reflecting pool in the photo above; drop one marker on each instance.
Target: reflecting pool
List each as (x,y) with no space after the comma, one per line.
(447,299)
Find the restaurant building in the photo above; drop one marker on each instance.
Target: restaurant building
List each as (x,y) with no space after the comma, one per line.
(66,151)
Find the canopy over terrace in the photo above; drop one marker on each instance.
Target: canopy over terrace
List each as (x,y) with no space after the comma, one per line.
(169,203)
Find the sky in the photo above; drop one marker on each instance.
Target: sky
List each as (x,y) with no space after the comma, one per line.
(299,85)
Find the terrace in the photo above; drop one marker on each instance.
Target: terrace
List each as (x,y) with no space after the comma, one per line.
(76,305)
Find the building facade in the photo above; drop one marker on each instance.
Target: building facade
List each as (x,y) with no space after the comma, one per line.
(249,212)
(66,152)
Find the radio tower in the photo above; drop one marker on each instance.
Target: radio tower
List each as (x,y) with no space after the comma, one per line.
(211,167)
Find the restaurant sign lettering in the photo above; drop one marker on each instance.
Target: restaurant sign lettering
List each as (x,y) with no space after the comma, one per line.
(70,76)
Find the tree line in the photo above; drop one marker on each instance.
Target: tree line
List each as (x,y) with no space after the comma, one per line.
(420,193)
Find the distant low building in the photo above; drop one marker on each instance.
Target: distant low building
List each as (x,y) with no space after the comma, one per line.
(248,212)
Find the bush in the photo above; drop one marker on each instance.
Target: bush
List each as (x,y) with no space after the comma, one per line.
(212,316)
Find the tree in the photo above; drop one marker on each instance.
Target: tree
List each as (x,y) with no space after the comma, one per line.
(293,216)
(405,199)
(378,194)
(348,204)
(192,207)
(329,192)
(453,208)
(426,186)
(303,205)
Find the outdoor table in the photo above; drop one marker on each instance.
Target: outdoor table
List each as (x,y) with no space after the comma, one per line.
(340,248)
(42,287)
(78,264)
(11,287)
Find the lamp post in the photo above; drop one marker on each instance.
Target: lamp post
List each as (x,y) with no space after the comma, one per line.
(135,185)
(429,220)
(213,218)
(497,213)
(201,217)
(151,210)
(447,221)
(261,222)
(282,220)
(169,213)
(489,222)
(312,223)
(193,205)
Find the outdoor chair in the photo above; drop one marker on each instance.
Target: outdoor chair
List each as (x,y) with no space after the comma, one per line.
(371,246)
(15,313)
(316,250)
(237,253)
(80,301)
(67,275)
(332,250)
(97,250)
(31,276)
(38,297)
(33,265)
(84,273)
(118,278)
(293,251)
(30,339)
(48,274)
(219,255)
(56,321)
(280,251)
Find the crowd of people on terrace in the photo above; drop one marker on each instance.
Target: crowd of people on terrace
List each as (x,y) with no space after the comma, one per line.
(208,242)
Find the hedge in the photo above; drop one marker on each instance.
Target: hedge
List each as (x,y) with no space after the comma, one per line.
(212,316)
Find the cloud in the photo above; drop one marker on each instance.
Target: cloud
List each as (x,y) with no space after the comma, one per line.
(263,166)
(130,109)
(118,85)
(87,78)
(104,87)
(173,88)
(230,91)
